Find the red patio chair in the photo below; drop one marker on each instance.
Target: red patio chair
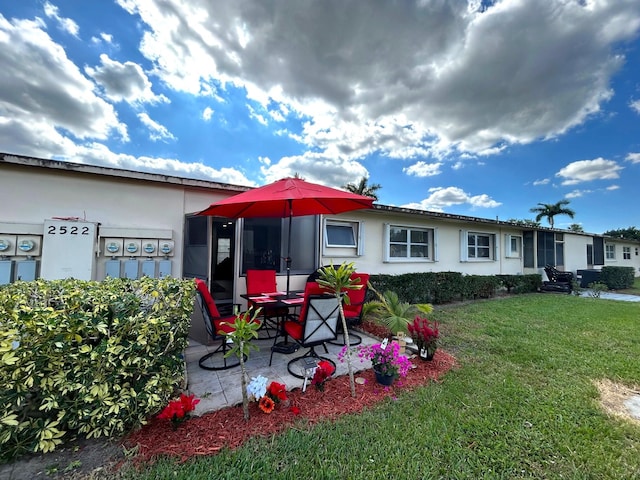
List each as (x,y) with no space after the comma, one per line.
(214,324)
(316,324)
(353,309)
(260,282)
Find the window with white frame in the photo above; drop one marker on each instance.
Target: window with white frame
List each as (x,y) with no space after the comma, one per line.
(404,243)
(610,252)
(340,234)
(626,253)
(343,238)
(513,246)
(477,246)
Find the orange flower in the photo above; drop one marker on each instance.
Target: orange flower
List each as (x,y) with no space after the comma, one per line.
(266,404)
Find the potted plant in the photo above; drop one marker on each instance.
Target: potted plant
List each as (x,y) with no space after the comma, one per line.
(424,334)
(387,362)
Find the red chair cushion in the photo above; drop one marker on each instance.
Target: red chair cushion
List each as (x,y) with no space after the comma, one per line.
(213,310)
(294,329)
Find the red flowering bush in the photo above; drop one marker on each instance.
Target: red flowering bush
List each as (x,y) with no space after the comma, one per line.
(424,334)
(324,370)
(177,410)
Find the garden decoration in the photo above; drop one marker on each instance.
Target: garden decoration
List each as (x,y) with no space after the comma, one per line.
(245,329)
(266,396)
(424,334)
(177,411)
(338,280)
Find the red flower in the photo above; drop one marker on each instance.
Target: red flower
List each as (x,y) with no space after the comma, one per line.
(189,402)
(277,391)
(323,372)
(295,410)
(177,410)
(266,404)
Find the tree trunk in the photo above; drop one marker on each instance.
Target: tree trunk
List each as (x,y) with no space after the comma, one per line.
(245,397)
(352,382)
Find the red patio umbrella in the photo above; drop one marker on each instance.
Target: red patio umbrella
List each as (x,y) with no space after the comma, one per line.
(289,197)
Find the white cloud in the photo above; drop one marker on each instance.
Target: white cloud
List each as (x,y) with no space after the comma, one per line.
(633,157)
(423,169)
(544,181)
(53,93)
(589,170)
(577,193)
(316,167)
(66,24)
(207,113)
(446,197)
(124,81)
(613,187)
(427,79)
(257,116)
(635,105)
(99,154)
(157,131)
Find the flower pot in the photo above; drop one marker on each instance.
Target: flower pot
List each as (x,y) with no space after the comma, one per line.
(383,379)
(426,354)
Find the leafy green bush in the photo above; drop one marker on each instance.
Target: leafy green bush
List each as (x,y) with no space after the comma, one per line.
(617,278)
(521,283)
(597,288)
(94,358)
(445,287)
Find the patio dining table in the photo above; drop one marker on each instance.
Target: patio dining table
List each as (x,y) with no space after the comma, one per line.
(278,301)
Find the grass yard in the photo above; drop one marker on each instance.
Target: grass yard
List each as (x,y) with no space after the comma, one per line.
(523,404)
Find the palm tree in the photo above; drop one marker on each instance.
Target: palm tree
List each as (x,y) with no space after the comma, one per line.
(550,210)
(363,188)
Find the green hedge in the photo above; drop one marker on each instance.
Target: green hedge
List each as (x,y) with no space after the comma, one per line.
(617,278)
(90,358)
(445,287)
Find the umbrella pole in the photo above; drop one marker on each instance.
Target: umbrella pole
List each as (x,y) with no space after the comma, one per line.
(288,259)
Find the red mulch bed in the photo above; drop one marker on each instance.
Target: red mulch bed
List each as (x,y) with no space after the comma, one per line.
(210,433)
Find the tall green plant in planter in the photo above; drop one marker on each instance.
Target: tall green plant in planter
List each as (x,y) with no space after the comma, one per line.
(245,330)
(338,280)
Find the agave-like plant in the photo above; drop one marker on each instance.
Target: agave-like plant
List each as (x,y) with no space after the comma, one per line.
(389,311)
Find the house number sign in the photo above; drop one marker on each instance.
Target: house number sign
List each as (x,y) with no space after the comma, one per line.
(68,230)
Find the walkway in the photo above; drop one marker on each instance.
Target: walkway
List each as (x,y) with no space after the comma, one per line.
(614,296)
(220,389)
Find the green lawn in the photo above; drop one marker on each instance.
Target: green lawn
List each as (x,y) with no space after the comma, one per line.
(521,405)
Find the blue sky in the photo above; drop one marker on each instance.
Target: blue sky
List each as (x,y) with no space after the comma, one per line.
(477,108)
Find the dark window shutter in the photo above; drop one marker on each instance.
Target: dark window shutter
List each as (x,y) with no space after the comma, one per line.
(598,250)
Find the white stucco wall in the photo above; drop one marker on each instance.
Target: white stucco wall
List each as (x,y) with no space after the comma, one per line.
(122,207)
(448,246)
(575,252)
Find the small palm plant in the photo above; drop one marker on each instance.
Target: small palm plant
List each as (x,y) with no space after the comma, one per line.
(243,330)
(389,311)
(338,281)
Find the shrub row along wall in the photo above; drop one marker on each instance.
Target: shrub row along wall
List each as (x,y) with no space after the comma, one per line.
(444,287)
(95,358)
(617,277)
